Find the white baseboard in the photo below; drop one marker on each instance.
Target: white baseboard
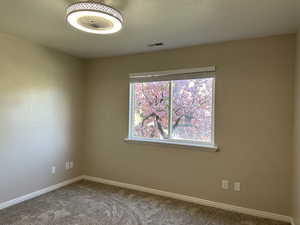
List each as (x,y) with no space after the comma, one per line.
(199,201)
(35,194)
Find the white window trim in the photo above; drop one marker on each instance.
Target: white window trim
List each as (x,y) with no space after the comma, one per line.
(209,146)
(173,72)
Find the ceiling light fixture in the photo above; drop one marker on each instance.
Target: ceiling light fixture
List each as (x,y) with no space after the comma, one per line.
(94,17)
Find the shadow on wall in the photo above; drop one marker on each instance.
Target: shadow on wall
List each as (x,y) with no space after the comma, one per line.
(37,120)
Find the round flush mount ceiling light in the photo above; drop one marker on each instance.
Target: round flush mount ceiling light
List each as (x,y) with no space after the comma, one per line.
(94,17)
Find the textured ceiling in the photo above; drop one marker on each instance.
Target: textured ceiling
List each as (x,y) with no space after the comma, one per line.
(176,23)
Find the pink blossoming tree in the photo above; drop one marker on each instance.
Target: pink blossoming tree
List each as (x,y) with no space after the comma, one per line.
(191,109)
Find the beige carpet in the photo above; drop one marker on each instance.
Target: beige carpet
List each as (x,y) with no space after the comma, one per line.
(87,203)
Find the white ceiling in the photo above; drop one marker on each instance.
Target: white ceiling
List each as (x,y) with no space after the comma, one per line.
(177,23)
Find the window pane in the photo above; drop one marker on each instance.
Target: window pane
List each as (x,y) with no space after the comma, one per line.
(192,109)
(151,106)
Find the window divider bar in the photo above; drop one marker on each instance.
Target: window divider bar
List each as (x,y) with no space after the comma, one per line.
(170,109)
(131,108)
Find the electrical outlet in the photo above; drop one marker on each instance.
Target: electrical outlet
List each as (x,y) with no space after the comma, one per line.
(67,165)
(71,165)
(225,184)
(237,186)
(53,170)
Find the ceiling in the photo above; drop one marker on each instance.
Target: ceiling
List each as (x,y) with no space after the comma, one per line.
(174,22)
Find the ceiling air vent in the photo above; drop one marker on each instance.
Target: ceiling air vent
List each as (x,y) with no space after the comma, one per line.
(158,44)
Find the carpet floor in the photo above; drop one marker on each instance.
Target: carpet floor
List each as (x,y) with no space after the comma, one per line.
(88,203)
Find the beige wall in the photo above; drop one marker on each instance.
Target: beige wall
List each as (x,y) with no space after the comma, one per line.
(254,115)
(40,98)
(296,153)
(41,109)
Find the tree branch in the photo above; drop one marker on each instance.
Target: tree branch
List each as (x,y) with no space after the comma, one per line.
(177,122)
(158,123)
(159,126)
(147,117)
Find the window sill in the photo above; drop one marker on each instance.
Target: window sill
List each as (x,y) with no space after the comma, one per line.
(204,147)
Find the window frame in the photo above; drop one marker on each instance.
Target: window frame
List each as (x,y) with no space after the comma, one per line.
(190,143)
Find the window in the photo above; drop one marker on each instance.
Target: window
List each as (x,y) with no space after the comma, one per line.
(175,107)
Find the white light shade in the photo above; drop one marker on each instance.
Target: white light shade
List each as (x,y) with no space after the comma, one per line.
(94,17)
